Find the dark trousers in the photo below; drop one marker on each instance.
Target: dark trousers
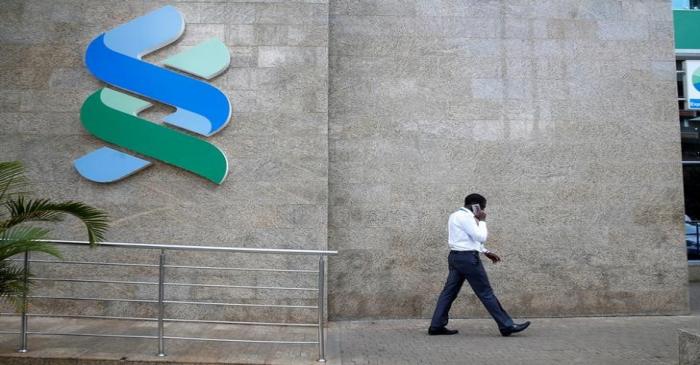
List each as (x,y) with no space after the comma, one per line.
(467,265)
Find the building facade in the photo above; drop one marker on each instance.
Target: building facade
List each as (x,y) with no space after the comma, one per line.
(360,126)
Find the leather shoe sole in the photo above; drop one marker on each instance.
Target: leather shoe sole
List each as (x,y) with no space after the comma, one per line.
(515,329)
(442,331)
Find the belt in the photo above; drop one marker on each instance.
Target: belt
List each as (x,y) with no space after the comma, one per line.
(467,252)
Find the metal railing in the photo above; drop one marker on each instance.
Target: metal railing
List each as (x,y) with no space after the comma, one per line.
(162,301)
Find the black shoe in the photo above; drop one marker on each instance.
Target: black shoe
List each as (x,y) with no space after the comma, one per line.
(441,331)
(514,329)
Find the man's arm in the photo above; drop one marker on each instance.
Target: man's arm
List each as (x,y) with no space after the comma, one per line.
(476,227)
(480,219)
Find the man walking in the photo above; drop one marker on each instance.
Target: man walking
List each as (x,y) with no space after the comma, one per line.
(467,234)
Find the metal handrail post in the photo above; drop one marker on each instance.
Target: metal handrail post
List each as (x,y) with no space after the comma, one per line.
(23,332)
(321,292)
(161,303)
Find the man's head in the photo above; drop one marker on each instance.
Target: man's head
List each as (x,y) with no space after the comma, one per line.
(475,199)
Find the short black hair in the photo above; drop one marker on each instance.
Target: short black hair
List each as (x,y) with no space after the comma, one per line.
(475,199)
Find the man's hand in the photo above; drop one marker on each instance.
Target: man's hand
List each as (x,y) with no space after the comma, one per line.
(481,215)
(493,257)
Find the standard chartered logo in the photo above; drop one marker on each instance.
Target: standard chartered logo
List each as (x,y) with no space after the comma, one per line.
(111,114)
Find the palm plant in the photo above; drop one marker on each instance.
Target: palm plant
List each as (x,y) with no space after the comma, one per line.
(17,236)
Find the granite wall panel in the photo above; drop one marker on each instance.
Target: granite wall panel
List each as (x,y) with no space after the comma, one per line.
(562,113)
(359,125)
(276,193)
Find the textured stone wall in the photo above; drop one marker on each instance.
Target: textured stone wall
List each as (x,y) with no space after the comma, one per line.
(562,113)
(276,193)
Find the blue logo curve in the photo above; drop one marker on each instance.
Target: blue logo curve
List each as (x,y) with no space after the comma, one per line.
(115,58)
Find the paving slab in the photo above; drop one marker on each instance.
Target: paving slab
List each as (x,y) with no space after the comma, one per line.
(591,340)
(136,351)
(688,347)
(594,340)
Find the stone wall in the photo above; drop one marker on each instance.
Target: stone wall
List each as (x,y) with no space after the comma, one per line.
(276,193)
(562,113)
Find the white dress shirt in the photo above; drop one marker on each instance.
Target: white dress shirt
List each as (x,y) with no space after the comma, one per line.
(465,234)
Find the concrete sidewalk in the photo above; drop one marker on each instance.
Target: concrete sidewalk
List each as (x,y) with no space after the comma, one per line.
(610,340)
(613,340)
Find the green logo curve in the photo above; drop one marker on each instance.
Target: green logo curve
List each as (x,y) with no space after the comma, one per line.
(112,117)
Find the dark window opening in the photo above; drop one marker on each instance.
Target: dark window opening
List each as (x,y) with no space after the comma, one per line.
(689,121)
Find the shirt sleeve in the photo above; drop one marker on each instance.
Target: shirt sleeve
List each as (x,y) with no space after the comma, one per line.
(483,249)
(477,232)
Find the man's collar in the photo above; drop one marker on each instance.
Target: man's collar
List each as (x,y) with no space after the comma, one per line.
(466,210)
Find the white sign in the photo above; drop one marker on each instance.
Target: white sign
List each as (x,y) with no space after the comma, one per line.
(692,84)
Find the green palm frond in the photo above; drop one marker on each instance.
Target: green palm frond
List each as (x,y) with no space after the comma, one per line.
(17,237)
(17,240)
(24,210)
(12,180)
(13,242)
(43,210)
(12,285)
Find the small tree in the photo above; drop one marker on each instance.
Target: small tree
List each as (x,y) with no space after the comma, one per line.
(17,236)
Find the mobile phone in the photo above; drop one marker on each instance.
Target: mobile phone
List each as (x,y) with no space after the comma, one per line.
(476,208)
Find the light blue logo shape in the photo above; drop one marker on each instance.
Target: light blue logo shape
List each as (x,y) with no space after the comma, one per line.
(100,165)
